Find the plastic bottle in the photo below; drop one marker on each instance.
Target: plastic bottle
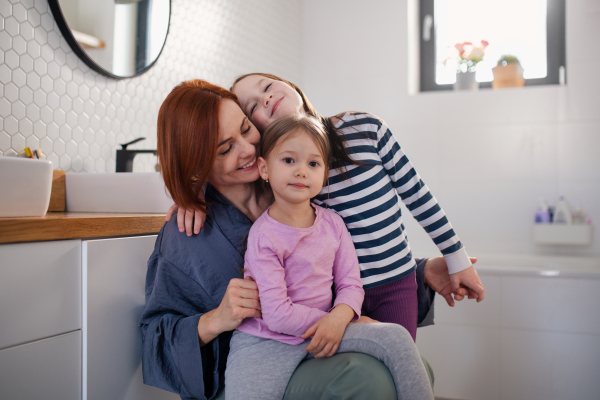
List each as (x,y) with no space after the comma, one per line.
(542,214)
(562,214)
(578,216)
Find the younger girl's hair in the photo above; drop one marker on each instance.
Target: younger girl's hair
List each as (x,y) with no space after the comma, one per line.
(339,155)
(286,127)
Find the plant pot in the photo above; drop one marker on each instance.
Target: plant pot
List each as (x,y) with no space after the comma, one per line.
(466,81)
(509,75)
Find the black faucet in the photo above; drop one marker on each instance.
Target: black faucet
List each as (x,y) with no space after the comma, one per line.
(125,157)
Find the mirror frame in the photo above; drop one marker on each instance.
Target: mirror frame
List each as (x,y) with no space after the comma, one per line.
(68,35)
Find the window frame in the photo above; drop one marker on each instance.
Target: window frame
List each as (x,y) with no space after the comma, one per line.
(555,50)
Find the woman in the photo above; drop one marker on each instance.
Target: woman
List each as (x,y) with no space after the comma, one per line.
(194,294)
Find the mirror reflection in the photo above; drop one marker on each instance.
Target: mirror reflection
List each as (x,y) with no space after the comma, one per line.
(120,38)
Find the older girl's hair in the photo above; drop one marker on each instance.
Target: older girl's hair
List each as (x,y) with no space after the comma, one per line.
(339,155)
(187,138)
(289,126)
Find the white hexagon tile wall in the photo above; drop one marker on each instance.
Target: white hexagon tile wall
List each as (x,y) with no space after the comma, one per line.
(49,99)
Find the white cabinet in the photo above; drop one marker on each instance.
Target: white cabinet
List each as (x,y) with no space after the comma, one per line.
(40,298)
(114,281)
(69,314)
(44,369)
(531,338)
(40,290)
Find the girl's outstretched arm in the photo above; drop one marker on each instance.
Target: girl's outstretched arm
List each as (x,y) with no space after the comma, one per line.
(425,209)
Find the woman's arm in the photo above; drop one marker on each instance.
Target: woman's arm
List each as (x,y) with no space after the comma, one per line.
(240,301)
(184,343)
(172,357)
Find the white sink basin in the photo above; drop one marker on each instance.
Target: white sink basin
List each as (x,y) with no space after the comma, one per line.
(117,192)
(25,186)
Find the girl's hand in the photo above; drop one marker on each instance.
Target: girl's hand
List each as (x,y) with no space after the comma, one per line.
(328,331)
(240,301)
(188,218)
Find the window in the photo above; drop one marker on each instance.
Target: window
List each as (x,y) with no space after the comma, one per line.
(531,30)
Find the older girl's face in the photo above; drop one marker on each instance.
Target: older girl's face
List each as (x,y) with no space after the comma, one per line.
(237,148)
(265,100)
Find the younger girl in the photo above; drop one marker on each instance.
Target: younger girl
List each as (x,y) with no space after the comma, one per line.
(295,252)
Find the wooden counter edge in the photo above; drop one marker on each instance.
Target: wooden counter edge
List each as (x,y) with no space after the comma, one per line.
(70,226)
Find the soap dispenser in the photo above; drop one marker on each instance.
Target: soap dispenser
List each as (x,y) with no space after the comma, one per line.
(563,215)
(542,214)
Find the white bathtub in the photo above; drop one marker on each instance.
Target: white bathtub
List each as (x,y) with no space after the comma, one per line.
(535,336)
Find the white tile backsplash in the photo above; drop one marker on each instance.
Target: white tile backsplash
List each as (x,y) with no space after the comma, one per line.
(579,151)
(49,99)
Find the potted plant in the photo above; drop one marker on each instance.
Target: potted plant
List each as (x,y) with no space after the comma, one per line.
(508,73)
(466,56)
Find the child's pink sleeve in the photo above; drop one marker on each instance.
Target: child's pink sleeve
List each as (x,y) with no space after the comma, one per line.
(278,311)
(346,273)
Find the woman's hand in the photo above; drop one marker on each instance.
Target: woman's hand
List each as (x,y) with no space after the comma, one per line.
(240,301)
(436,277)
(328,331)
(469,279)
(188,219)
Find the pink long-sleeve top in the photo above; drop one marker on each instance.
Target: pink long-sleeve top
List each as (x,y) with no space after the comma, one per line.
(294,269)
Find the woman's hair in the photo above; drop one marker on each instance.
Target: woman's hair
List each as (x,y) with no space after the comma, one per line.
(187,136)
(286,128)
(339,154)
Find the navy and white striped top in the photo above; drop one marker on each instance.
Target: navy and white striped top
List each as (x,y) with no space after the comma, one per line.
(366,197)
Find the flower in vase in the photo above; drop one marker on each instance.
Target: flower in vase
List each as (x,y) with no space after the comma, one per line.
(465,56)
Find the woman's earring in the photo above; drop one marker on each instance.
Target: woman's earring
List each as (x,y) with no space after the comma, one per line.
(266,180)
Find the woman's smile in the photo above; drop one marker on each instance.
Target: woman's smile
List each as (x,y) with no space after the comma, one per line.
(250,166)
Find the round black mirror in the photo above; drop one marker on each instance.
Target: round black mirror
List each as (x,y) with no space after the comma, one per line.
(117,38)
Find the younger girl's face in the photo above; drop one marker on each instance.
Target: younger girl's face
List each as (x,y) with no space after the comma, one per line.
(295,168)
(265,100)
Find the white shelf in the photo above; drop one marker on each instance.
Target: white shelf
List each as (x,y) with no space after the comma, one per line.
(576,235)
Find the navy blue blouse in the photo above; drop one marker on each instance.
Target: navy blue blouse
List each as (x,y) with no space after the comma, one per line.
(188,276)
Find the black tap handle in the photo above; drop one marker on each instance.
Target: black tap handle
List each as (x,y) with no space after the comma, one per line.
(124,146)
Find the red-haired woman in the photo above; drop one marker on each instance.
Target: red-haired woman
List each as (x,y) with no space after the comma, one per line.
(195,295)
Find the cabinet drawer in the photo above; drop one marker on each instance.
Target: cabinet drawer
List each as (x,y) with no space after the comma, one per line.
(46,369)
(40,290)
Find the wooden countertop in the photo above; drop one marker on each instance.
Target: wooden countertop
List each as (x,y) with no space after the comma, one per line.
(71,225)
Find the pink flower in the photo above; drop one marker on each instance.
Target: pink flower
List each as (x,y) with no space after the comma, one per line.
(485,43)
(467,44)
(460,47)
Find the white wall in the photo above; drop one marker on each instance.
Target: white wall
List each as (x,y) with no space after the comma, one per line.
(487,156)
(50,100)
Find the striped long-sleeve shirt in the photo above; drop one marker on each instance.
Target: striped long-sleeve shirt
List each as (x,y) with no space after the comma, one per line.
(367,199)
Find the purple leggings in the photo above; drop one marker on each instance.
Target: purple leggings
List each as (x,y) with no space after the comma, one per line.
(394,302)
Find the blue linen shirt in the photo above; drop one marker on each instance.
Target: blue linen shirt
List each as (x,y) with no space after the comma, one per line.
(187,277)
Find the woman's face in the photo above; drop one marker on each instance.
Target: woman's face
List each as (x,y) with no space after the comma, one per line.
(237,147)
(265,100)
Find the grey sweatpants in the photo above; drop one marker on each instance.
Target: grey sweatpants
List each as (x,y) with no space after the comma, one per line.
(259,369)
